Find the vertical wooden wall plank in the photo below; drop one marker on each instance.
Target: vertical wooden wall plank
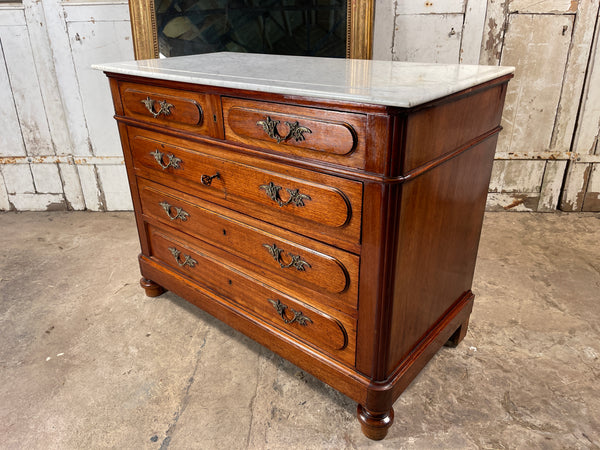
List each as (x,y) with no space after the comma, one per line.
(495,26)
(581,44)
(94,43)
(551,185)
(91,187)
(115,187)
(4,201)
(575,185)
(472,33)
(11,141)
(535,44)
(26,90)
(72,186)
(586,134)
(46,178)
(591,200)
(55,112)
(72,103)
(441,43)
(102,41)
(18,179)
(589,119)
(383,29)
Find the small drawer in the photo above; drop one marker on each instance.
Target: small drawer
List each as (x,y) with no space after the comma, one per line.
(300,200)
(319,267)
(325,135)
(333,335)
(185,110)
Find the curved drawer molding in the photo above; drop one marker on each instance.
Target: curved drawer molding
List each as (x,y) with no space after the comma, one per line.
(168,108)
(315,267)
(318,328)
(189,111)
(337,137)
(234,183)
(291,130)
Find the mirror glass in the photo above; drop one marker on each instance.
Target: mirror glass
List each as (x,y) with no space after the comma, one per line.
(284,27)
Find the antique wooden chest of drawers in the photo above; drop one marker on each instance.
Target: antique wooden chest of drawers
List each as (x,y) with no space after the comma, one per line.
(328,209)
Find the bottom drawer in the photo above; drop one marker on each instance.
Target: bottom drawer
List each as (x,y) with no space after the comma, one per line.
(332,335)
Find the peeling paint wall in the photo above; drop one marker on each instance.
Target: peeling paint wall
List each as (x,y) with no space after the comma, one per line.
(59,148)
(548,155)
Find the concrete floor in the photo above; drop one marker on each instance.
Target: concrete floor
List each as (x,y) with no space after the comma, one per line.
(87,361)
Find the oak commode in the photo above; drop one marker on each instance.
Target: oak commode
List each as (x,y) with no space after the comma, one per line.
(329,209)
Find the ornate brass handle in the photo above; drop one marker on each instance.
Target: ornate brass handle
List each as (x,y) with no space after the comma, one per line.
(207,179)
(297,262)
(172,160)
(179,212)
(295,130)
(164,107)
(187,259)
(298,316)
(295,196)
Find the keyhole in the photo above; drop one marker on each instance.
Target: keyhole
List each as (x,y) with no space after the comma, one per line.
(214,117)
(229,281)
(224,232)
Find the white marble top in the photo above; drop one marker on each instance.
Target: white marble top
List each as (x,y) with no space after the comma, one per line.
(388,83)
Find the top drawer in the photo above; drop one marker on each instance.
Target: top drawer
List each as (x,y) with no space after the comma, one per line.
(325,135)
(190,111)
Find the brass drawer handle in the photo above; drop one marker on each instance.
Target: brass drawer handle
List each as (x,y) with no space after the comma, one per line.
(172,160)
(296,131)
(207,179)
(164,107)
(295,196)
(298,316)
(187,259)
(179,212)
(297,262)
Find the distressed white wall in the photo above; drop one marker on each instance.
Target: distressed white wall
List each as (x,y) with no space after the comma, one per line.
(59,148)
(547,155)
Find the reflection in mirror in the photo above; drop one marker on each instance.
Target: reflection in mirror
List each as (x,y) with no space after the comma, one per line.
(284,27)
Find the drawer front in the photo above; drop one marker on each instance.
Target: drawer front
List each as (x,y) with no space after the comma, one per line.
(185,110)
(318,267)
(312,133)
(294,201)
(333,335)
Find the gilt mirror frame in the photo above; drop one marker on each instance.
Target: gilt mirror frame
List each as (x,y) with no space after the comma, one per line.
(359,35)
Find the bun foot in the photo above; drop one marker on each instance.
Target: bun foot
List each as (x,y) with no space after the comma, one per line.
(374,425)
(152,289)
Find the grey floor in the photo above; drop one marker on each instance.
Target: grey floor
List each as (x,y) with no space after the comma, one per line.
(87,361)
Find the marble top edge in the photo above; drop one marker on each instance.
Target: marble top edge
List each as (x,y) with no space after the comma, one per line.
(389,83)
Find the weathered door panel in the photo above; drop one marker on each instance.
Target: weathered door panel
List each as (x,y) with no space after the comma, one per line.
(538,45)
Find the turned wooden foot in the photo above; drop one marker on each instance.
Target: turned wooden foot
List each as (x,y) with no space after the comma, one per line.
(458,335)
(374,424)
(152,289)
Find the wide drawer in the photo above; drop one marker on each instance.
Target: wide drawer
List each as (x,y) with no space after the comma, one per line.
(319,267)
(333,335)
(321,134)
(306,202)
(191,111)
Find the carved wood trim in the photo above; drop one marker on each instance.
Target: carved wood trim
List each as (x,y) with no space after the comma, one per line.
(143,29)
(359,40)
(359,35)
